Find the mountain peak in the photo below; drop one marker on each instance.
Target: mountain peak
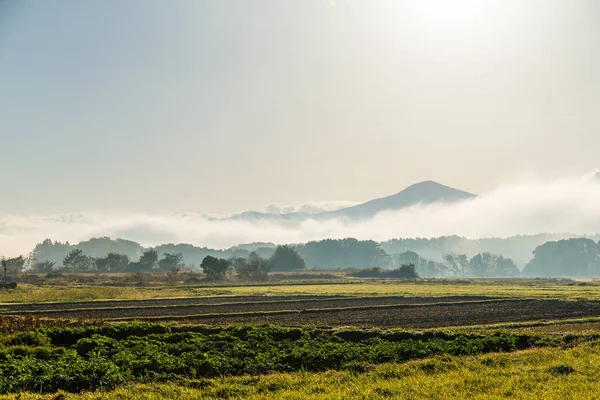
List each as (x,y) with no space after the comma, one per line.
(425,184)
(425,192)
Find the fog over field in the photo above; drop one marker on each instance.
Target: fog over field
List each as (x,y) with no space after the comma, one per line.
(567,205)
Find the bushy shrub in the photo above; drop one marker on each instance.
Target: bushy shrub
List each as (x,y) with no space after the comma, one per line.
(405,271)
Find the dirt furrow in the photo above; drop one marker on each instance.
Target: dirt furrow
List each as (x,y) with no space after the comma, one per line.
(228,308)
(426,316)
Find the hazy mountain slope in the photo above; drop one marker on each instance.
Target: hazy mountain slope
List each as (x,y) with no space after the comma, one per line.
(420,193)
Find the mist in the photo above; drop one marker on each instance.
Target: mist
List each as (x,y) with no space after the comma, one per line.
(310,207)
(524,207)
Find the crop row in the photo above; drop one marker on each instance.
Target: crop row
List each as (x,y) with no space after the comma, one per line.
(75,359)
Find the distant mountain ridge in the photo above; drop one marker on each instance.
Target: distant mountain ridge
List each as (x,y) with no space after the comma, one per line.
(426,192)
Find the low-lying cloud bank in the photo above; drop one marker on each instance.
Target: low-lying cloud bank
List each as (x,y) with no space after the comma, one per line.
(567,205)
(311,207)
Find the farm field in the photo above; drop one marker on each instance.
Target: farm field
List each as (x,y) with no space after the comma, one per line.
(388,311)
(436,339)
(230,306)
(89,291)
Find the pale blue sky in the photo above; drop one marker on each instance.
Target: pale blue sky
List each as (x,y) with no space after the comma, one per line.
(220,106)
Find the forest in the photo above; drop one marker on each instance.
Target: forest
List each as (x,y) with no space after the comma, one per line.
(439,257)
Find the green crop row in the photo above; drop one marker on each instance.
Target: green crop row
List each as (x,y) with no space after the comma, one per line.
(102,357)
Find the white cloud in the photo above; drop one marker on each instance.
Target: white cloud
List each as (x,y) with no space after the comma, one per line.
(568,205)
(312,207)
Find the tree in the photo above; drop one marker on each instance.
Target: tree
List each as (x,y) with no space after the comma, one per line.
(113,262)
(458,265)
(286,258)
(506,267)
(146,263)
(76,261)
(171,261)
(215,268)
(572,257)
(434,269)
(405,271)
(100,247)
(50,251)
(15,265)
(343,253)
(43,267)
(238,264)
(254,268)
(149,258)
(423,267)
(492,265)
(482,265)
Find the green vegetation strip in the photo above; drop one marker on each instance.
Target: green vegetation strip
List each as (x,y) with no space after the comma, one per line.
(534,374)
(103,357)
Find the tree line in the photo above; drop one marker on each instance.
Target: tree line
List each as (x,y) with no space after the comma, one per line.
(483,265)
(322,254)
(252,267)
(284,258)
(518,248)
(570,257)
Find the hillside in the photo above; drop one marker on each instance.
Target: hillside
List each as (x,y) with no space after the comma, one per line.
(420,193)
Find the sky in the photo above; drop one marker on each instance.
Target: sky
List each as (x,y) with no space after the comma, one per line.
(215,107)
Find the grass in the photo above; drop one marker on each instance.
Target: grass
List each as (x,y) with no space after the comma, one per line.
(473,287)
(40,294)
(534,288)
(532,374)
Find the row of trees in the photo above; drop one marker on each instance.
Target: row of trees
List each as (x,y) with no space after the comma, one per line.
(407,271)
(572,257)
(78,261)
(335,253)
(483,265)
(56,252)
(518,247)
(253,267)
(284,258)
(326,254)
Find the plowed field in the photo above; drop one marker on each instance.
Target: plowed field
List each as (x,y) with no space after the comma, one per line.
(388,311)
